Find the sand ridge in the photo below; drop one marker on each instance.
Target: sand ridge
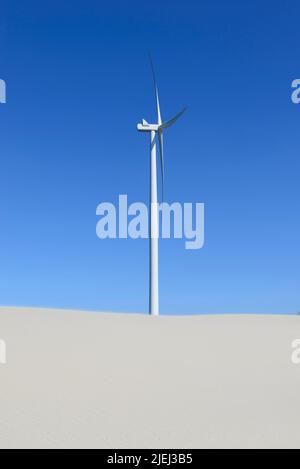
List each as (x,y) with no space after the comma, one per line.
(98,380)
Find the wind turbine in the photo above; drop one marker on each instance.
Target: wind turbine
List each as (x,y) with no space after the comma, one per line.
(155,129)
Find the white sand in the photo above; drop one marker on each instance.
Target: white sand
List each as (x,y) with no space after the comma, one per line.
(87,380)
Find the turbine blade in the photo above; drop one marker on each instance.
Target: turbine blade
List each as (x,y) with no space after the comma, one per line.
(170,122)
(159,120)
(162,163)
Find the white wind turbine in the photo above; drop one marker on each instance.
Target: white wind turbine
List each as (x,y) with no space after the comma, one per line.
(154,129)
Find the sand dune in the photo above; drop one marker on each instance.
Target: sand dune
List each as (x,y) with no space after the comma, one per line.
(87,380)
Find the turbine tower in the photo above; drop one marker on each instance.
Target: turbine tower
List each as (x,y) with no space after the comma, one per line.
(155,129)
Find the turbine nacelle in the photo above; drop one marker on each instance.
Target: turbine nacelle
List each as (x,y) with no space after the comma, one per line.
(145,127)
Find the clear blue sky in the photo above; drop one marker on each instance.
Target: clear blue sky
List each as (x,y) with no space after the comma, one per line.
(78,82)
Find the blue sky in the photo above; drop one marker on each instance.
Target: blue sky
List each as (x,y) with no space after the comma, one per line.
(78,82)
